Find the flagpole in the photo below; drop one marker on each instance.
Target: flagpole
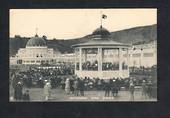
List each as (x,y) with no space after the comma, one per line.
(101,19)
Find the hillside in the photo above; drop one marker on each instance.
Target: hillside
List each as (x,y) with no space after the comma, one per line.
(137,34)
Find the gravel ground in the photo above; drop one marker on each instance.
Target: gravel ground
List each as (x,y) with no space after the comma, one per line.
(59,95)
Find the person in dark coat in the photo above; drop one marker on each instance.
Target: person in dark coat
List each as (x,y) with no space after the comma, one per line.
(149,88)
(81,86)
(114,88)
(131,90)
(26,96)
(18,91)
(72,86)
(117,87)
(62,84)
(76,87)
(107,88)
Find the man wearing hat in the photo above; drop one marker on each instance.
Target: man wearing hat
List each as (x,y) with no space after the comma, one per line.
(144,89)
(18,91)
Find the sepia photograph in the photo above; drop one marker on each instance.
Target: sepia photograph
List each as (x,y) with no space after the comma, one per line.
(83,55)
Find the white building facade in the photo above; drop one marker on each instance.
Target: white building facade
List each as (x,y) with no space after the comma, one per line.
(36,52)
(143,55)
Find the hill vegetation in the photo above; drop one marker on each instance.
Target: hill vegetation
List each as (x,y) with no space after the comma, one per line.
(134,35)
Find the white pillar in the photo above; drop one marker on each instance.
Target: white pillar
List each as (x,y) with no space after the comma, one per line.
(155,55)
(120,62)
(80,59)
(128,60)
(85,55)
(75,58)
(100,59)
(141,57)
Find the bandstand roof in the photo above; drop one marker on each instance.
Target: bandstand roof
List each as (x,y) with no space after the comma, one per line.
(100,43)
(101,37)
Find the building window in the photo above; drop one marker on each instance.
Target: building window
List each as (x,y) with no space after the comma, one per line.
(148,54)
(125,55)
(134,63)
(19,61)
(32,61)
(136,55)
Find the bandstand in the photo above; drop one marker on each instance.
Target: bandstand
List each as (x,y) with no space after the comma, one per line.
(101,57)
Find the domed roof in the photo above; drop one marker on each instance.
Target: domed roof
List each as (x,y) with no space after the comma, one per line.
(36,41)
(101,37)
(101,31)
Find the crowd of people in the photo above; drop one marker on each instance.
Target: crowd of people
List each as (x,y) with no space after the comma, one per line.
(105,66)
(63,78)
(35,76)
(144,70)
(90,65)
(77,86)
(110,66)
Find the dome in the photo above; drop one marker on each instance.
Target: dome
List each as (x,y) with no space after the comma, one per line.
(102,32)
(36,41)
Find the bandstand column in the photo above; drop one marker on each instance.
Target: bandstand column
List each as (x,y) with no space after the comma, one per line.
(141,57)
(100,59)
(85,55)
(75,58)
(128,59)
(80,59)
(120,62)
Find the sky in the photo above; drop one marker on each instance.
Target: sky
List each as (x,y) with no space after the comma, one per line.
(75,23)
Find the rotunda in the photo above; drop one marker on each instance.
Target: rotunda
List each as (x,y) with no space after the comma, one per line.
(36,42)
(36,52)
(101,57)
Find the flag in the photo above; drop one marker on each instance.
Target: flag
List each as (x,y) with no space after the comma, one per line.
(104,16)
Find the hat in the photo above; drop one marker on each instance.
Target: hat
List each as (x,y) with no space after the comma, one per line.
(131,84)
(19,82)
(48,83)
(131,81)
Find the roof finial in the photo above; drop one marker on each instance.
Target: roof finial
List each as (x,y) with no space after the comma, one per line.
(36,31)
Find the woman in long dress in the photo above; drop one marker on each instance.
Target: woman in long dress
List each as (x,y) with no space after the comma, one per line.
(67,86)
(47,90)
